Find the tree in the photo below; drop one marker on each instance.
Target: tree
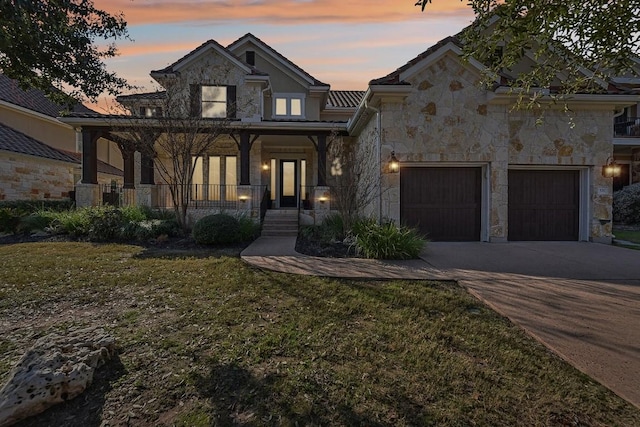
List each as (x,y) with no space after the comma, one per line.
(177,133)
(53,46)
(583,41)
(355,178)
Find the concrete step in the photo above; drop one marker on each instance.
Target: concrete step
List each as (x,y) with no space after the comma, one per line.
(280,223)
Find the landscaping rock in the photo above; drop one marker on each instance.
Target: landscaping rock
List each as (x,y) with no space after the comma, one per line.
(57,368)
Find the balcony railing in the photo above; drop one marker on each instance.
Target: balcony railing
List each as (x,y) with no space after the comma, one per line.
(202,196)
(626,127)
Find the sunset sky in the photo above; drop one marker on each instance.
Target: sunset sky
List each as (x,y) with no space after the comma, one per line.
(344,43)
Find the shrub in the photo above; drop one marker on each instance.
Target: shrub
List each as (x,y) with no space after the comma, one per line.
(31,206)
(249,229)
(216,229)
(149,229)
(330,230)
(104,223)
(626,205)
(386,241)
(38,221)
(9,219)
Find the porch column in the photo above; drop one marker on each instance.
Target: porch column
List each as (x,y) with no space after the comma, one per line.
(89,156)
(129,168)
(245,149)
(88,190)
(146,191)
(322,160)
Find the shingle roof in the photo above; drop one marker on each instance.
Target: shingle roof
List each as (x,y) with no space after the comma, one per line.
(146,95)
(18,142)
(344,98)
(265,46)
(170,68)
(33,99)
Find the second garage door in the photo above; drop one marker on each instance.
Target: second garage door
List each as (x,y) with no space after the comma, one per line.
(544,204)
(443,203)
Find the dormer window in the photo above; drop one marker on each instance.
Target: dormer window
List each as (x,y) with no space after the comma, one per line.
(289,105)
(250,57)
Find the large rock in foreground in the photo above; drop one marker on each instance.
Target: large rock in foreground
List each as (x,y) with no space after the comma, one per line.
(57,368)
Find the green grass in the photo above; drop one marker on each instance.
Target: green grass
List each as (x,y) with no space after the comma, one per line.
(628,235)
(210,341)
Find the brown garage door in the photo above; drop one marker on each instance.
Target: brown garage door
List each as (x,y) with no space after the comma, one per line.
(544,204)
(443,203)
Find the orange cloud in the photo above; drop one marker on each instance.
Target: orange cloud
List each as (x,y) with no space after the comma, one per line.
(136,49)
(139,12)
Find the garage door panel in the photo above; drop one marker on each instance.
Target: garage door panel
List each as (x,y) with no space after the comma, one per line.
(544,204)
(443,203)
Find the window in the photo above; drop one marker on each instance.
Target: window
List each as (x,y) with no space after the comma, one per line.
(289,105)
(151,111)
(214,178)
(213,102)
(197,182)
(250,57)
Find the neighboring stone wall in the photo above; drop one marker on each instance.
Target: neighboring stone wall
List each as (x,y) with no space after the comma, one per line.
(449,119)
(28,177)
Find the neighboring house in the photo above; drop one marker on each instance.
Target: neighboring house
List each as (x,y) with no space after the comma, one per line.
(39,155)
(470,168)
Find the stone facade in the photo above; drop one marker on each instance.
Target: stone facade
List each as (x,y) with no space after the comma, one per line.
(447,119)
(25,177)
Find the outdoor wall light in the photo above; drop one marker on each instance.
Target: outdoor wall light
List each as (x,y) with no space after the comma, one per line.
(611,169)
(394,163)
(265,166)
(322,199)
(243,198)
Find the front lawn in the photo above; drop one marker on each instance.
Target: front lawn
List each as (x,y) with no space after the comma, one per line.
(208,340)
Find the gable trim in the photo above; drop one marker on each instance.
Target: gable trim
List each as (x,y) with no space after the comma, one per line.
(198,53)
(435,56)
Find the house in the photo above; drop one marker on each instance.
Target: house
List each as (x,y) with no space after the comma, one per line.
(626,140)
(39,155)
(470,168)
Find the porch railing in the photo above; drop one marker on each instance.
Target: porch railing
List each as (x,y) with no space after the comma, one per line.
(202,196)
(116,195)
(626,127)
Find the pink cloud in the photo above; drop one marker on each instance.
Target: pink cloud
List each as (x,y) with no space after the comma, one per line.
(277,11)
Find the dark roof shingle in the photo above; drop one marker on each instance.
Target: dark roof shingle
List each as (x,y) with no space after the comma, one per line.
(33,99)
(18,142)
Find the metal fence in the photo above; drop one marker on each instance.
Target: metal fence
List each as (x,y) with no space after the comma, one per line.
(202,196)
(116,195)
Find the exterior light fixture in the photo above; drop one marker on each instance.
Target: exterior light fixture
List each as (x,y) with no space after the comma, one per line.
(394,163)
(265,166)
(322,199)
(611,169)
(243,198)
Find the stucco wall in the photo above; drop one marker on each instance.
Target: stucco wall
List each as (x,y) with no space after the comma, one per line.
(448,119)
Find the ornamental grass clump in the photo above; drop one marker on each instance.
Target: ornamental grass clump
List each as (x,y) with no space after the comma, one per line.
(626,205)
(386,241)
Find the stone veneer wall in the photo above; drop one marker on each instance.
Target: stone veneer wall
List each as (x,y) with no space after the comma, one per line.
(25,177)
(447,118)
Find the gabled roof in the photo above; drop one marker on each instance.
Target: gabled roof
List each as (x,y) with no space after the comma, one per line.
(209,44)
(251,38)
(344,98)
(394,77)
(33,99)
(18,142)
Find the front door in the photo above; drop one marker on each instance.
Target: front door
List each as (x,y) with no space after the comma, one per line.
(288,183)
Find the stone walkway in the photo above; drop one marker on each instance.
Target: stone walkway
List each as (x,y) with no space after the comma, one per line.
(582,300)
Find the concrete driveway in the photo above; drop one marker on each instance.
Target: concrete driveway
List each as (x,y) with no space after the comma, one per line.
(580,299)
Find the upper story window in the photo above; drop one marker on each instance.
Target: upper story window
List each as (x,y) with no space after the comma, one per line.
(151,111)
(213,101)
(289,105)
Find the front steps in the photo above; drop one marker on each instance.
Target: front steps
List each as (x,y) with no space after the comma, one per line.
(280,223)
